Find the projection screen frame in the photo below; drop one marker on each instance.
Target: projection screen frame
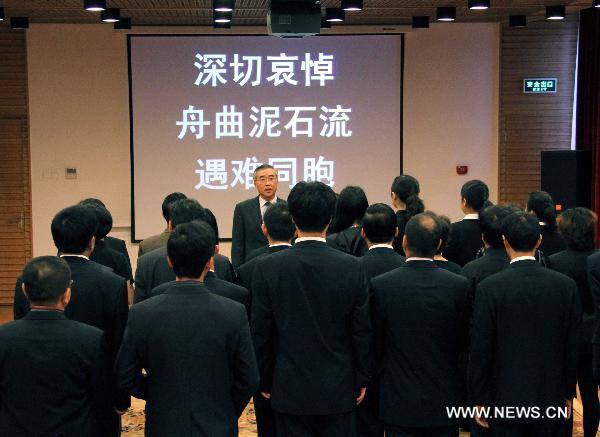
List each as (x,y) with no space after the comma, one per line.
(169,35)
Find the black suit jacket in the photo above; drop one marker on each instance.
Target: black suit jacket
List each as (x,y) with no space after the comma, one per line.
(99,299)
(153,270)
(573,263)
(55,377)
(524,338)
(118,245)
(492,261)
(256,253)
(465,241)
(112,259)
(246,234)
(197,352)
(311,329)
(349,241)
(216,286)
(448,265)
(420,316)
(593,271)
(246,270)
(380,260)
(552,241)
(402,218)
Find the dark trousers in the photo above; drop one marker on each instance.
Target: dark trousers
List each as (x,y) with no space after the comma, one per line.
(333,425)
(368,423)
(444,431)
(265,420)
(537,429)
(588,388)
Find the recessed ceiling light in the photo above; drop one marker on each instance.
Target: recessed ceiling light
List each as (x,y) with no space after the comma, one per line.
(94,5)
(555,12)
(446,13)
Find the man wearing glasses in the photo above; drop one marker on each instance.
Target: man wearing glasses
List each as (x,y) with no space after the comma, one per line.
(247,235)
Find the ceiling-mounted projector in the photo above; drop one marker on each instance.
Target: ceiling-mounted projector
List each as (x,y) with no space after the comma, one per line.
(294,19)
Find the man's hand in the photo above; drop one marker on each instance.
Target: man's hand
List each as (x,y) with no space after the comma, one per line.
(481,421)
(360,397)
(569,403)
(265,395)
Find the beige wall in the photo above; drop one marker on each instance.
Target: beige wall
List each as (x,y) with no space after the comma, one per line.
(79,113)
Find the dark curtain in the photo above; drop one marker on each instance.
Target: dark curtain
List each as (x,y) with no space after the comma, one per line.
(588,97)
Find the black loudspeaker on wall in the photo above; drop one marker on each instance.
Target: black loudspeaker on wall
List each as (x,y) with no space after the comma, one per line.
(567,176)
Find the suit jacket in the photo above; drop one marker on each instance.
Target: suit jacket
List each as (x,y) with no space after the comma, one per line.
(246,234)
(402,218)
(55,377)
(99,299)
(153,270)
(311,329)
(246,270)
(112,259)
(552,241)
(118,245)
(420,317)
(154,242)
(593,272)
(197,352)
(380,260)
(465,241)
(448,265)
(492,261)
(573,263)
(216,286)
(524,338)
(256,253)
(349,241)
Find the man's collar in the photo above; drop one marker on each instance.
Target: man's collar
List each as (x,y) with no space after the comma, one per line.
(380,246)
(471,217)
(262,201)
(301,239)
(78,255)
(418,258)
(522,258)
(279,244)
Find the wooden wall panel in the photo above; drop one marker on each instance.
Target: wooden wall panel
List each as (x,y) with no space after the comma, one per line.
(15,180)
(531,123)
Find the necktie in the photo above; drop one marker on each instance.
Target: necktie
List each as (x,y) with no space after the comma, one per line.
(265,206)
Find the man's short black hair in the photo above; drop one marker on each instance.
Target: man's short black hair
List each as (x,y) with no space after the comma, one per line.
(422,234)
(262,167)
(73,228)
(92,201)
(578,226)
(46,278)
(190,246)
(491,219)
(444,227)
(279,223)
(312,205)
(521,230)
(380,223)
(168,202)
(212,221)
(476,193)
(105,220)
(186,210)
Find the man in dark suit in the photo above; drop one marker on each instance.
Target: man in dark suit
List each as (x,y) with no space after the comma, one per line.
(420,317)
(160,240)
(465,235)
(524,338)
(379,228)
(200,365)
(246,235)
(494,257)
(279,229)
(98,296)
(55,373)
(153,269)
(310,324)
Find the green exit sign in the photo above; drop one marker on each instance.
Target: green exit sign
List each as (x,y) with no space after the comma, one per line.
(540,85)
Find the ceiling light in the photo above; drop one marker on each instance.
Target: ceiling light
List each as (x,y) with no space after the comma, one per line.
(222,17)
(223,5)
(517,21)
(123,23)
(111,15)
(597,3)
(94,5)
(479,5)
(2,16)
(19,22)
(555,12)
(334,15)
(352,5)
(420,22)
(446,13)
